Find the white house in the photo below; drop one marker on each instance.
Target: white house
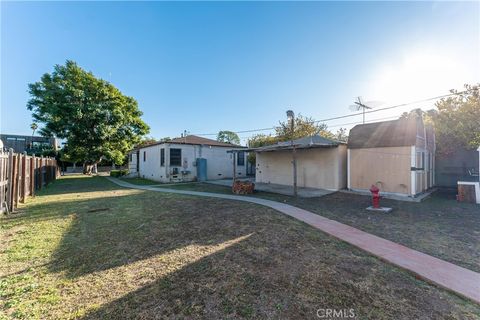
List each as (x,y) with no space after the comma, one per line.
(321,163)
(188,158)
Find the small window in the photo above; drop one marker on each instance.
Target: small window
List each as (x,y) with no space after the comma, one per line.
(241,158)
(162,157)
(420,162)
(176,157)
(131,157)
(144,156)
(11,138)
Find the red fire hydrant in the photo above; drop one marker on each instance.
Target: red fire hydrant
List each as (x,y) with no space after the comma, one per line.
(375,196)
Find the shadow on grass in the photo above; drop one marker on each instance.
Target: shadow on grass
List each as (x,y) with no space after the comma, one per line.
(285,271)
(439,226)
(280,269)
(135,227)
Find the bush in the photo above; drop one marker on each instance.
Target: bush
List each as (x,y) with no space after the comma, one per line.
(118,173)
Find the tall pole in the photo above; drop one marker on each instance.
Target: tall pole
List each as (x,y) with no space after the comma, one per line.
(291,117)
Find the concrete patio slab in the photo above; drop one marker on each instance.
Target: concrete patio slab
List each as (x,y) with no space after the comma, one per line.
(277,188)
(445,274)
(418,198)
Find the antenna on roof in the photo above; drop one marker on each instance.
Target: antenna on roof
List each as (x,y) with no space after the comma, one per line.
(360,104)
(184,135)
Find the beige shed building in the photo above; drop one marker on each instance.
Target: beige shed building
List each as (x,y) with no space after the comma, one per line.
(396,156)
(321,163)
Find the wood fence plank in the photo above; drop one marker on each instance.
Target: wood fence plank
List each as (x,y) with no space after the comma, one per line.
(32,175)
(40,169)
(24,177)
(9,180)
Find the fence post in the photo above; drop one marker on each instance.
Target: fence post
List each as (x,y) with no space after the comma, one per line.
(32,175)
(24,177)
(10,180)
(40,169)
(18,168)
(45,165)
(3,181)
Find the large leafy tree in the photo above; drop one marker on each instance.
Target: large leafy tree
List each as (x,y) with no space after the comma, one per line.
(95,118)
(457,121)
(303,127)
(228,137)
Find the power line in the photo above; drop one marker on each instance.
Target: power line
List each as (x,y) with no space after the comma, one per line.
(346,124)
(350,115)
(392,107)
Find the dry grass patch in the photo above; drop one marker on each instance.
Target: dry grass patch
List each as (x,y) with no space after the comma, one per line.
(439,226)
(153,255)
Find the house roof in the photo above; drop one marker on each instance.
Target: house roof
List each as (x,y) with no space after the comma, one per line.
(395,133)
(193,140)
(309,142)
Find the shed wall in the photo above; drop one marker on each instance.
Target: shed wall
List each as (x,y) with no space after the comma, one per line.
(323,168)
(388,166)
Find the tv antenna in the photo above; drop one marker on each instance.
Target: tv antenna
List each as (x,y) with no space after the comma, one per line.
(359,104)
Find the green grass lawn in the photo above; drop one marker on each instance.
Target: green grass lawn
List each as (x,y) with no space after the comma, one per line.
(439,226)
(139,181)
(86,248)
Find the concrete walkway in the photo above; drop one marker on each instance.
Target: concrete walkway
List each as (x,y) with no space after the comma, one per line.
(445,274)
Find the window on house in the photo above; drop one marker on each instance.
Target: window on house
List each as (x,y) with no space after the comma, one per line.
(131,157)
(144,156)
(241,158)
(162,157)
(176,157)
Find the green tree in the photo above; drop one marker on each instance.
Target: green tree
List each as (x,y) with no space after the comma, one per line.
(228,137)
(146,141)
(303,127)
(34,127)
(259,140)
(95,118)
(457,120)
(341,135)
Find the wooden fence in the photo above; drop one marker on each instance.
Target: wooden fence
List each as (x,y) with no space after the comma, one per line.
(21,176)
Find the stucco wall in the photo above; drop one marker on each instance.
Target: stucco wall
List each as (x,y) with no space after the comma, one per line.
(132,164)
(219,163)
(323,168)
(389,167)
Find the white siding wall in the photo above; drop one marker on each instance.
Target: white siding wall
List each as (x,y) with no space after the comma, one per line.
(219,163)
(150,164)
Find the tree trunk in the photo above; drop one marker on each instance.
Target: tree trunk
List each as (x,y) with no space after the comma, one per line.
(87,168)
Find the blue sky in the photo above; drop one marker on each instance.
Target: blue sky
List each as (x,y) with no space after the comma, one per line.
(205,67)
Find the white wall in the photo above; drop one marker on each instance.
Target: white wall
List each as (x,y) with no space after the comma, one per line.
(132,164)
(324,168)
(219,163)
(150,164)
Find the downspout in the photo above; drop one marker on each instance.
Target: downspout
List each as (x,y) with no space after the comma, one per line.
(478,163)
(413,173)
(348,170)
